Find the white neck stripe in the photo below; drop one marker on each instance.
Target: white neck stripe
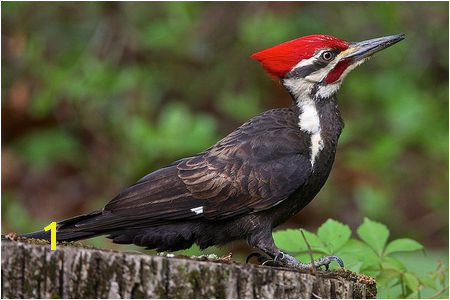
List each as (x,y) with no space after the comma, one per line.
(309,122)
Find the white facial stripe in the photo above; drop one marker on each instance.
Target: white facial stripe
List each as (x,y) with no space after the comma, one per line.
(299,87)
(197,210)
(320,74)
(304,62)
(309,61)
(327,90)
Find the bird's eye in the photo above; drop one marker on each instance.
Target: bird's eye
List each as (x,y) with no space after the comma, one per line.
(327,55)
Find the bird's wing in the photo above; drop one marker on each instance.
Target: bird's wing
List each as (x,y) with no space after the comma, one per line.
(254,168)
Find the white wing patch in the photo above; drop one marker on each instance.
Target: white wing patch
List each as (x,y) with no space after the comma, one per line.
(309,121)
(197,210)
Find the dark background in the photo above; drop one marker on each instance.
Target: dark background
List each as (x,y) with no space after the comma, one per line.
(96,95)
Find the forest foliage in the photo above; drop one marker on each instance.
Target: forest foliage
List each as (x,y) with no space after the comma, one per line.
(97,94)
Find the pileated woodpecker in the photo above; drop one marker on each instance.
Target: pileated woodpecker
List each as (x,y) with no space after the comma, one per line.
(253,179)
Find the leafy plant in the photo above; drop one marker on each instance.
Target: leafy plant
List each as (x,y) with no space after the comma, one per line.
(372,254)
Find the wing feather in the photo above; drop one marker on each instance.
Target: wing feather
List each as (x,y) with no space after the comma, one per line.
(254,168)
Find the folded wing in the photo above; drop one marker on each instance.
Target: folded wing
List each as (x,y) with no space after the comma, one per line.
(254,168)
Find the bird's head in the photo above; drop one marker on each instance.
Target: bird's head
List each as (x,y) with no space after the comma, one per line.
(314,66)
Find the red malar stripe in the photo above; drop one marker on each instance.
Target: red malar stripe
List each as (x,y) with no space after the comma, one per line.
(336,73)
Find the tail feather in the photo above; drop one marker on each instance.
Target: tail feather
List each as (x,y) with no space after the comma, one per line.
(60,236)
(41,235)
(66,230)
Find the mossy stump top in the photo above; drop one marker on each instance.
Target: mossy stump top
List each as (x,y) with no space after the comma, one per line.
(32,270)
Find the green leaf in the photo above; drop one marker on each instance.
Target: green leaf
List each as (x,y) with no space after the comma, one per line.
(387,278)
(390,263)
(315,243)
(402,245)
(374,234)
(357,256)
(334,234)
(428,282)
(411,281)
(318,249)
(289,240)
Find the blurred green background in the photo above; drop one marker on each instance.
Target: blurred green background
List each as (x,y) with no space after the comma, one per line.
(96,95)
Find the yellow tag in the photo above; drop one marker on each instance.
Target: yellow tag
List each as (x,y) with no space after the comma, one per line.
(52,228)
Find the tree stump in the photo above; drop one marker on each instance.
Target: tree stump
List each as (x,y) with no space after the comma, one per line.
(34,271)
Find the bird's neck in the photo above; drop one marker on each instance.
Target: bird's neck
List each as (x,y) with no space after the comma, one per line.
(318,116)
(303,89)
(314,103)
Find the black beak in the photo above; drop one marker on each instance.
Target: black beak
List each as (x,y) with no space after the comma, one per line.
(365,49)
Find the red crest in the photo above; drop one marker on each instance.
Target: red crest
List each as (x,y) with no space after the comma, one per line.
(280,59)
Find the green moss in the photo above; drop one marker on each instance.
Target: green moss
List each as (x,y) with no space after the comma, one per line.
(220,284)
(369,282)
(32,241)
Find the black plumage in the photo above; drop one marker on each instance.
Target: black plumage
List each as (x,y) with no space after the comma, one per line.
(250,181)
(246,184)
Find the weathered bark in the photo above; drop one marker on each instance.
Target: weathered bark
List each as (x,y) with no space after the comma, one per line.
(34,271)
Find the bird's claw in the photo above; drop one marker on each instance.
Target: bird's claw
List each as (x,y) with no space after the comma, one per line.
(286,260)
(270,263)
(279,256)
(289,261)
(277,261)
(267,261)
(326,261)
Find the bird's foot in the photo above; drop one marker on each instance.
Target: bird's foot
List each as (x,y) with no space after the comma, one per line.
(264,259)
(289,261)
